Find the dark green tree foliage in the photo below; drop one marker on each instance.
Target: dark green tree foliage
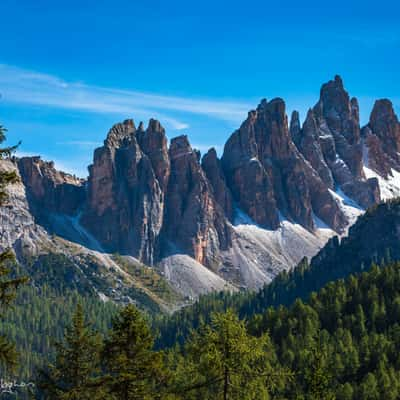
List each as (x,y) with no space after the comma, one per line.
(343,344)
(316,375)
(133,371)
(222,361)
(74,374)
(357,326)
(43,310)
(8,285)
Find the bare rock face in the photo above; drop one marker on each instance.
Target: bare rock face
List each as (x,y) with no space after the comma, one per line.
(50,190)
(309,146)
(338,117)
(385,124)
(222,194)
(194,221)
(330,141)
(295,127)
(155,146)
(250,181)
(382,138)
(269,177)
(149,201)
(365,191)
(125,190)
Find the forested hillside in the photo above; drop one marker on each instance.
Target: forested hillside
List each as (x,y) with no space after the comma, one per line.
(342,344)
(348,333)
(44,307)
(372,239)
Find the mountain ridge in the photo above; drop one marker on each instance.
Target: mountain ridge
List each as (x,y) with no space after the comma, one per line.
(277,194)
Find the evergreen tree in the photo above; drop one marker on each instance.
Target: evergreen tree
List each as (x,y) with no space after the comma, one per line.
(133,370)
(318,379)
(8,286)
(224,362)
(74,375)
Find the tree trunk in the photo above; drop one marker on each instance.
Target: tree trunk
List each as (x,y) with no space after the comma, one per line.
(226,383)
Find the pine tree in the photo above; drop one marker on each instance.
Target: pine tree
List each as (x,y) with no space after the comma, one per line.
(318,379)
(133,369)
(8,286)
(224,362)
(75,373)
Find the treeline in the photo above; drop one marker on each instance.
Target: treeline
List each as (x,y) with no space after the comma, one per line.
(343,344)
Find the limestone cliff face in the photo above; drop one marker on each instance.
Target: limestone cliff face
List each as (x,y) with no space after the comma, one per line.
(147,200)
(194,221)
(338,119)
(125,203)
(215,174)
(382,138)
(330,141)
(49,190)
(269,177)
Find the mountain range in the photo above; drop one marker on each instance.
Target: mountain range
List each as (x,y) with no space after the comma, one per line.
(158,208)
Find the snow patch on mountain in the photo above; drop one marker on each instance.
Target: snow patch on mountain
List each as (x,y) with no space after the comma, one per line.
(349,207)
(259,254)
(389,187)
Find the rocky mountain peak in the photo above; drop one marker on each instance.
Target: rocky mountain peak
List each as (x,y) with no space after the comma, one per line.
(339,111)
(194,220)
(120,134)
(262,105)
(215,174)
(295,126)
(179,146)
(382,138)
(155,126)
(385,124)
(154,144)
(50,190)
(268,176)
(338,144)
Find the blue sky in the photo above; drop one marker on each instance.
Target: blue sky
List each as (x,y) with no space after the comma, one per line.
(70,70)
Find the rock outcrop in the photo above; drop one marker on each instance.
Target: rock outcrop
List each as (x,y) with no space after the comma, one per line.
(268,176)
(215,174)
(382,139)
(125,190)
(50,190)
(194,221)
(147,201)
(330,141)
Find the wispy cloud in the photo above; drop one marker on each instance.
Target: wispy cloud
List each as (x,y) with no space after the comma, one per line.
(29,87)
(81,143)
